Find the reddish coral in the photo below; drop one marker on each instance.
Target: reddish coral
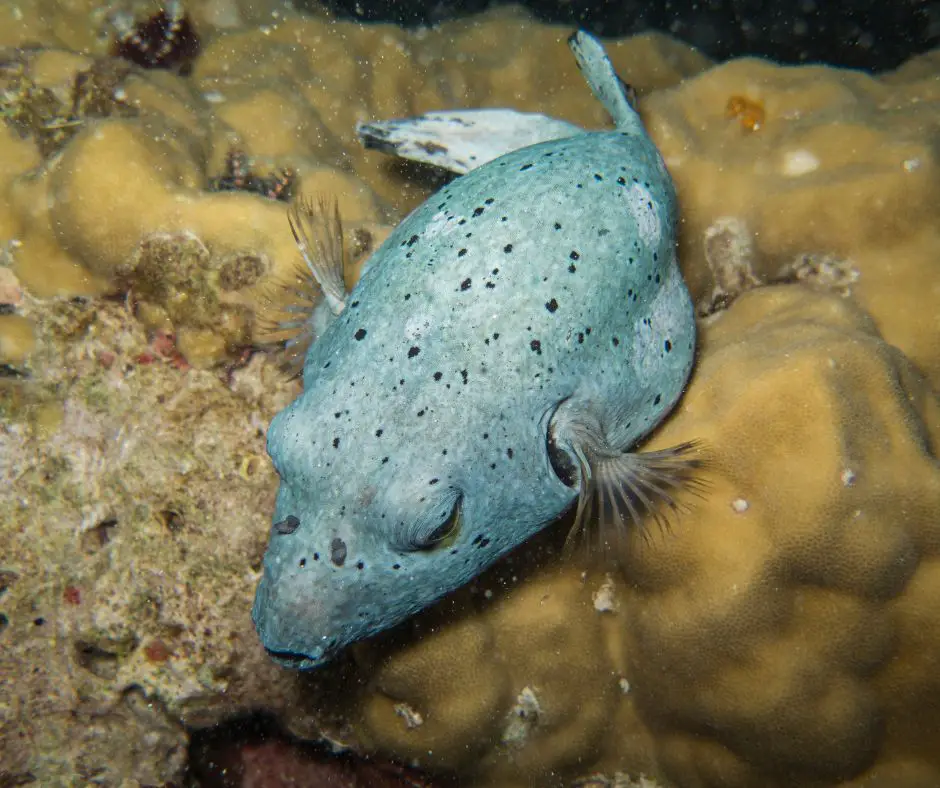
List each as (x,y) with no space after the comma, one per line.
(157,651)
(72,595)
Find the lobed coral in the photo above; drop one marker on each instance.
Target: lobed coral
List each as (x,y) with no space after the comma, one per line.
(842,164)
(781,633)
(778,633)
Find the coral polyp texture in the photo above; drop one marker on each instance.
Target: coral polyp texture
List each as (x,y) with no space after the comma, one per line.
(782,631)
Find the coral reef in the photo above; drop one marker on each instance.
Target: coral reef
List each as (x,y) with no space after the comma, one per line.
(782,632)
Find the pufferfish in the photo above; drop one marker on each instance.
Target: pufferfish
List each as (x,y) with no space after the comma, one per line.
(505,349)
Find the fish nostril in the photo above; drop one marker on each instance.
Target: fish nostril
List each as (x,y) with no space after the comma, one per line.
(338,551)
(286,526)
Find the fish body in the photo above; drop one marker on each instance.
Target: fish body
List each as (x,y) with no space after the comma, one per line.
(505,347)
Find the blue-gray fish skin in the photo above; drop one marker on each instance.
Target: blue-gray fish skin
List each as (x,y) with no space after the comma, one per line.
(418,452)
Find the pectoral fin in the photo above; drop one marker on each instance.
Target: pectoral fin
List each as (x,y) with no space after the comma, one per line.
(618,490)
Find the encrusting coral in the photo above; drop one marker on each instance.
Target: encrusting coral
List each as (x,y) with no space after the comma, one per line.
(783,631)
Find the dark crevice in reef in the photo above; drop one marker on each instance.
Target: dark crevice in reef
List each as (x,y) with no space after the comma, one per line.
(255,751)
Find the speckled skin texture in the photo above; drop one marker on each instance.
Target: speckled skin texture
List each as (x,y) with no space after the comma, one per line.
(546,275)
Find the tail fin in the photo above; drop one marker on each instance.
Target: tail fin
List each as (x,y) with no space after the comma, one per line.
(606,85)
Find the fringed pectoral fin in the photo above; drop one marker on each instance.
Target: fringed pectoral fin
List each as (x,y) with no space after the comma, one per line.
(297,310)
(620,491)
(318,231)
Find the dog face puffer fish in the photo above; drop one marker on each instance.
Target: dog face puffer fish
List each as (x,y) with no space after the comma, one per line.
(507,345)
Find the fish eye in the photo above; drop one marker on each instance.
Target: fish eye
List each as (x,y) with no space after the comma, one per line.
(443,533)
(563,464)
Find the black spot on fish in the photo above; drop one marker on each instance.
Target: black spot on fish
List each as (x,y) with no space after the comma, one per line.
(580,338)
(433,481)
(572,268)
(657,399)
(463,374)
(552,306)
(302,563)
(461,252)
(525,167)
(557,226)
(536,346)
(488,201)
(396,567)
(477,211)
(507,248)
(658,278)
(462,221)
(615,341)
(412,241)
(413,351)
(438,375)
(335,443)
(574,255)
(407,296)
(354,304)
(509,453)
(379,432)
(360,334)
(421,412)
(668,345)
(465,284)
(496,335)
(597,177)
(338,551)
(360,566)
(384,460)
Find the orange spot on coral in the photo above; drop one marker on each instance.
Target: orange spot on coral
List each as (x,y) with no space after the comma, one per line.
(157,651)
(750,114)
(72,595)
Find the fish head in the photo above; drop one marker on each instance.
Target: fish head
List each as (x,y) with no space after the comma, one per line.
(368,532)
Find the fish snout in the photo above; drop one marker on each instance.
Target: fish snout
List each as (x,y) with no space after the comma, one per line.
(283,625)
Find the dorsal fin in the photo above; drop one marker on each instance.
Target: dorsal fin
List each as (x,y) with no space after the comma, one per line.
(609,89)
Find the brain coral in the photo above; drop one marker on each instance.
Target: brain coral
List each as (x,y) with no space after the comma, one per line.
(781,631)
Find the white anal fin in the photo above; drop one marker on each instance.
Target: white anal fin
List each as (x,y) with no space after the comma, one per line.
(461,140)
(318,231)
(619,491)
